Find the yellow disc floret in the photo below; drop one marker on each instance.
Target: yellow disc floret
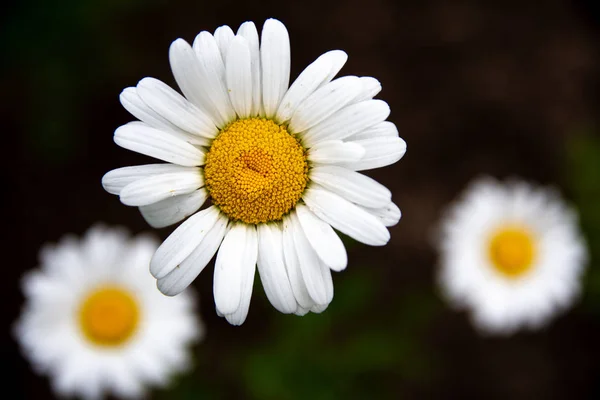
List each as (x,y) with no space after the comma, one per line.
(512,251)
(255,171)
(109,316)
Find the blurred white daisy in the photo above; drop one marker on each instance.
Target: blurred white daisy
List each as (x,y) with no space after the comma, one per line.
(278,165)
(95,323)
(512,254)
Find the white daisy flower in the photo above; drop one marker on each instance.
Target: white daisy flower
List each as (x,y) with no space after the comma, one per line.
(512,254)
(95,323)
(279,166)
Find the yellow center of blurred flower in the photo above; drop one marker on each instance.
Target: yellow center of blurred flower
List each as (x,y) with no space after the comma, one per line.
(512,251)
(109,316)
(255,171)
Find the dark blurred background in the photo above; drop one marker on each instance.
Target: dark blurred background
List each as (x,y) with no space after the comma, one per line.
(506,88)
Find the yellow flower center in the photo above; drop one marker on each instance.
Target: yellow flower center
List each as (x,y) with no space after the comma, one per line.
(255,171)
(109,316)
(512,251)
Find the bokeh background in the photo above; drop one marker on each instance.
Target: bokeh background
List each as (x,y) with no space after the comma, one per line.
(505,88)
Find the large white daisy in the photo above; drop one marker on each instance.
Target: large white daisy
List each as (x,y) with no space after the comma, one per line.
(512,254)
(279,166)
(95,323)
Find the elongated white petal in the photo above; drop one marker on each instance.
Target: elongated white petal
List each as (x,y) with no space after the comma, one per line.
(248,269)
(319,308)
(186,70)
(348,121)
(212,75)
(131,100)
(183,275)
(382,129)
(175,108)
(335,151)
(315,75)
(352,186)
(182,242)
(248,31)
(346,217)
(370,88)
(160,187)
(379,152)
(233,258)
(272,270)
(292,265)
(310,265)
(389,214)
(301,311)
(324,102)
(224,35)
(136,136)
(114,181)
(328,280)
(174,209)
(338,59)
(323,239)
(275,64)
(238,73)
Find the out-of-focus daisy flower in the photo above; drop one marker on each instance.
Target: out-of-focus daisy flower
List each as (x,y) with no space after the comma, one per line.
(278,164)
(512,253)
(95,323)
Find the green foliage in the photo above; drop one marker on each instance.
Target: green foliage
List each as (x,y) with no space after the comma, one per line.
(348,351)
(584,178)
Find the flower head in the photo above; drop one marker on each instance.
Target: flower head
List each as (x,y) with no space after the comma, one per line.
(95,323)
(278,165)
(512,254)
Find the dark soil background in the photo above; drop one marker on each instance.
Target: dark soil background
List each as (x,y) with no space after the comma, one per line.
(476,87)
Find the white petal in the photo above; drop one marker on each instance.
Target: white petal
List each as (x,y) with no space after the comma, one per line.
(337,58)
(323,239)
(301,311)
(212,73)
(272,270)
(175,108)
(310,265)
(324,102)
(316,74)
(328,280)
(174,209)
(346,217)
(136,136)
(371,87)
(180,244)
(248,31)
(319,308)
(335,151)
(235,256)
(292,265)
(275,64)
(183,275)
(114,181)
(382,129)
(160,187)
(389,214)
(133,103)
(186,70)
(248,268)
(352,186)
(239,316)
(238,73)
(224,35)
(379,152)
(348,121)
